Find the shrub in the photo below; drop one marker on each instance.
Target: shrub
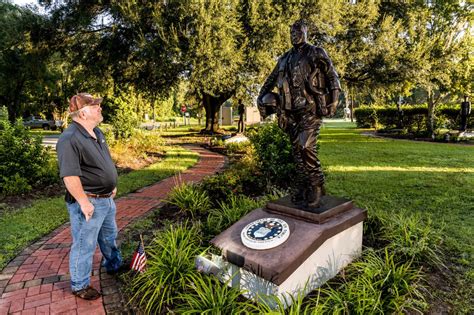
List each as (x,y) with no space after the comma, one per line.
(24,162)
(208,296)
(237,147)
(126,152)
(366,116)
(273,153)
(124,118)
(412,238)
(375,285)
(15,185)
(170,267)
(240,178)
(190,199)
(230,212)
(414,117)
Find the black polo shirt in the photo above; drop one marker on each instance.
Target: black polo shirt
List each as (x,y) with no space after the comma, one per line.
(79,154)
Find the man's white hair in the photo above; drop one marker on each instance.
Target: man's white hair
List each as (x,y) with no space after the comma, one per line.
(76,113)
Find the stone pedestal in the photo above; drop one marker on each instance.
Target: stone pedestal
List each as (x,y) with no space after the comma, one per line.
(321,243)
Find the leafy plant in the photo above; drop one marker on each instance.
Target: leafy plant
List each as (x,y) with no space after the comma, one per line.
(375,285)
(272,304)
(170,267)
(189,198)
(229,212)
(143,144)
(125,118)
(209,296)
(24,162)
(273,153)
(15,185)
(412,238)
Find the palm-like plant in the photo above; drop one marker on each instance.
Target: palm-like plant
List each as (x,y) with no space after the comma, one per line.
(190,199)
(170,267)
(209,296)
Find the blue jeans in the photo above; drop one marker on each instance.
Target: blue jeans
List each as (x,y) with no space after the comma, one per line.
(101,229)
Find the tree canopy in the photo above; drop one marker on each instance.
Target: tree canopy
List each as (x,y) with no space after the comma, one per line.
(226,48)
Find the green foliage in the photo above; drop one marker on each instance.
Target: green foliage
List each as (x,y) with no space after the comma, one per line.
(189,198)
(125,118)
(24,71)
(237,147)
(241,178)
(229,212)
(170,267)
(273,154)
(375,285)
(272,304)
(414,118)
(24,162)
(15,185)
(412,238)
(143,144)
(209,296)
(3,113)
(450,115)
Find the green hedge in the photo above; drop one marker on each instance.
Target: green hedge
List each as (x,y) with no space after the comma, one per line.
(413,117)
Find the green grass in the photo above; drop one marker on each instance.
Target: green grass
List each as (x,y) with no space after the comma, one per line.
(432,180)
(21,227)
(41,132)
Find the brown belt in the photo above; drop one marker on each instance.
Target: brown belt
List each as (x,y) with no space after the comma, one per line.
(99,195)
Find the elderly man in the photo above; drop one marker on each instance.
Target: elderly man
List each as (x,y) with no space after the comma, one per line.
(308,88)
(90,177)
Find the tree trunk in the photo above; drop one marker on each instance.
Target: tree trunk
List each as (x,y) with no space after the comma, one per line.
(430,124)
(13,104)
(212,105)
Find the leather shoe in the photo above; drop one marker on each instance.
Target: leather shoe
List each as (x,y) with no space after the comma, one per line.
(88,293)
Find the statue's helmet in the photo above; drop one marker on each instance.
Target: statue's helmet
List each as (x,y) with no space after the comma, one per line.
(271,99)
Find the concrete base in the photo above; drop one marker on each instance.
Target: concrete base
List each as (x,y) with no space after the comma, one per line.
(313,253)
(336,253)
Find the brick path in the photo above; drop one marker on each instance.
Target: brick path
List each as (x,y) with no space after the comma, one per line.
(37,280)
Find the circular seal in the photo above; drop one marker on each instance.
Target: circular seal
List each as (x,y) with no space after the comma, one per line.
(265,233)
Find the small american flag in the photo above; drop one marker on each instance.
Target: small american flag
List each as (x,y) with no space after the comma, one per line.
(139,258)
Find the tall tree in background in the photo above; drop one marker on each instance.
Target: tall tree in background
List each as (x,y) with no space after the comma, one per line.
(444,33)
(23,65)
(227,48)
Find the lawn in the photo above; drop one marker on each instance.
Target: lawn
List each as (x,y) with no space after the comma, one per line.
(21,227)
(434,180)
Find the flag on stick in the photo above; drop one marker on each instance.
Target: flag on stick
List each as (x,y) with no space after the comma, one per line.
(139,257)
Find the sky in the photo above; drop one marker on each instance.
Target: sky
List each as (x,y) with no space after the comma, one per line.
(23,2)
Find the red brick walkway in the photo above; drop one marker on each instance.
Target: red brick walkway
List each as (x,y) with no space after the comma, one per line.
(37,281)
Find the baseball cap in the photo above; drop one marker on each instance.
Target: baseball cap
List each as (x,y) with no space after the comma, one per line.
(82,100)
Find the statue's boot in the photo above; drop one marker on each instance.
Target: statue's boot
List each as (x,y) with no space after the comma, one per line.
(315,195)
(298,198)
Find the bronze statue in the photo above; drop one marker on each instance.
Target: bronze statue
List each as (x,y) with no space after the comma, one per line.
(308,90)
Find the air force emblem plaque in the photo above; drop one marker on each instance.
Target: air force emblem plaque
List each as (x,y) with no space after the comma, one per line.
(265,233)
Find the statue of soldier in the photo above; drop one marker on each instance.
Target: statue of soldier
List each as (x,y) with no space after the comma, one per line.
(308,90)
